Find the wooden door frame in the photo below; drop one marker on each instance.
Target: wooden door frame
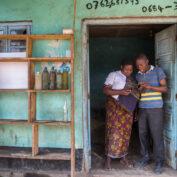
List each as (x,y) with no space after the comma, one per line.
(85,46)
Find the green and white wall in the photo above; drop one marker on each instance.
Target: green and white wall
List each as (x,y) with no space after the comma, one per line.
(48,17)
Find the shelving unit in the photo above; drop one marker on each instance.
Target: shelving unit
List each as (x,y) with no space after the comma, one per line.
(32,100)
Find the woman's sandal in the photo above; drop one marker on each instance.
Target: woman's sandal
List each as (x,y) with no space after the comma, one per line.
(126,163)
(107,167)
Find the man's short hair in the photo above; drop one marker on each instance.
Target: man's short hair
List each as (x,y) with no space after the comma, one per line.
(141,56)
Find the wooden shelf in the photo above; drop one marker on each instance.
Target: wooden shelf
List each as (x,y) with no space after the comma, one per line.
(13,59)
(35,59)
(52,156)
(38,122)
(13,37)
(34,152)
(51,36)
(50,122)
(26,154)
(50,91)
(50,59)
(37,37)
(13,90)
(35,91)
(13,121)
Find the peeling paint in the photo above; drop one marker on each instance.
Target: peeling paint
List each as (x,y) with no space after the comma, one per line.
(48,17)
(55,43)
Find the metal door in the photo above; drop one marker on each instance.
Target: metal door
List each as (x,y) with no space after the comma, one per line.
(166,56)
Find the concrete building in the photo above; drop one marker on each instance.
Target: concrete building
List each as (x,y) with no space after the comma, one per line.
(105,31)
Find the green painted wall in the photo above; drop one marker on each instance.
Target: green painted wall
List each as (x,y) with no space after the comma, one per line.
(48,17)
(105,57)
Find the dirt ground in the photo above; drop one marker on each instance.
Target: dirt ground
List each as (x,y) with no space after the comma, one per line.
(97,170)
(119,170)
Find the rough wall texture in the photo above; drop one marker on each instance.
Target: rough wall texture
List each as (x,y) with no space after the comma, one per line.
(48,17)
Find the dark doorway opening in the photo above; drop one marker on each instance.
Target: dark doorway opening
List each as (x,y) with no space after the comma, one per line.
(108,45)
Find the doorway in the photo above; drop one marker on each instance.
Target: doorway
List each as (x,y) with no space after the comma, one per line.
(107,45)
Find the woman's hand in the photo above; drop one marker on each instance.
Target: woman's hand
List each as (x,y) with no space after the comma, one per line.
(125,92)
(109,91)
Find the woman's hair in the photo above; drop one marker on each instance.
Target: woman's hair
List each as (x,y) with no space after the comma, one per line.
(127,61)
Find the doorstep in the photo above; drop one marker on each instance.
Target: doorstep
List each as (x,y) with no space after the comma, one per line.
(145,172)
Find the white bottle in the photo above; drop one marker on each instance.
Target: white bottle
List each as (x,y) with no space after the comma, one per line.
(65,110)
(38,81)
(68,53)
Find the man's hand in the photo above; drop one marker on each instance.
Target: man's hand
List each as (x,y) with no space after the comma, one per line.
(161,88)
(145,85)
(140,88)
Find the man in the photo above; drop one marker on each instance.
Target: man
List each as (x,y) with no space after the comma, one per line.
(152,82)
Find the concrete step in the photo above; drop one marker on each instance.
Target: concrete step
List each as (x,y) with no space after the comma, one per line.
(10,173)
(168,172)
(133,173)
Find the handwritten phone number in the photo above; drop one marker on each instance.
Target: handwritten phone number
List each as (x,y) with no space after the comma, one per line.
(110,3)
(153,8)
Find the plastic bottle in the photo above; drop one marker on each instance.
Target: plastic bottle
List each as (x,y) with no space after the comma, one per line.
(56,79)
(69,80)
(52,78)
(59,80)
(65,110)
(45,79)
(38,81)
(65,79)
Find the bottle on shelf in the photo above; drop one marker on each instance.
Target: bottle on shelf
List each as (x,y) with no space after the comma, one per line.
(59,80)
(45,79)
(65,79)
(52,78)
(69,80)
(38,81)
(56,79)
(65,110)
(68,53)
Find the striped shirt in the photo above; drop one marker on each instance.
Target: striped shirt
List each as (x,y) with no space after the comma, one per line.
(151,98)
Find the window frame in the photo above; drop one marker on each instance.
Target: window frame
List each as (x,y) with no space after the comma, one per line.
(8,26)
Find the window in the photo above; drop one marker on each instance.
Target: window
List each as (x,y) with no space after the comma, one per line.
(14,28)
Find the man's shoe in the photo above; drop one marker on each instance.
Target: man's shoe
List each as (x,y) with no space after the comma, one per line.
(158,170)
(142,164)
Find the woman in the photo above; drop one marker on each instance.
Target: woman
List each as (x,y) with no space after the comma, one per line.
(122,99)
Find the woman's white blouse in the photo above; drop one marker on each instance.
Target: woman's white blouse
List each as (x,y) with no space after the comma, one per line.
(116,80)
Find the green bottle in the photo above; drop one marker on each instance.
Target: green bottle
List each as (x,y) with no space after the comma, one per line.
(52,78)
(45,79)
(59,80)
(65,79)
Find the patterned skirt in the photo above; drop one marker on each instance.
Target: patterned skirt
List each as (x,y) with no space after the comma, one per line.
(118,129)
